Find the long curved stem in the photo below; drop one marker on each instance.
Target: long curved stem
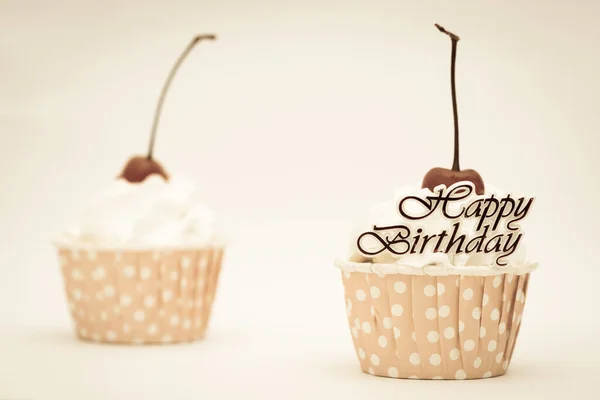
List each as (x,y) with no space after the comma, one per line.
(167,84)
(455,39)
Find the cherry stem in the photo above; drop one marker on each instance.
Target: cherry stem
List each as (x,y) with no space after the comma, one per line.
(167,84)
(455,39)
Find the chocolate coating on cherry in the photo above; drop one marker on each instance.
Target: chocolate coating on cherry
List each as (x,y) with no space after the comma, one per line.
(444,176)
(138,168)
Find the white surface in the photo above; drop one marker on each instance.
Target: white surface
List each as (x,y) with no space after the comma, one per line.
(300,117)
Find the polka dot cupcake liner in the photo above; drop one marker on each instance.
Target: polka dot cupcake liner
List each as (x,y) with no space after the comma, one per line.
(162,296)
(434,327)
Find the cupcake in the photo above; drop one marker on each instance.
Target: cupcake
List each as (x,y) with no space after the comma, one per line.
(436,278)
(142,262)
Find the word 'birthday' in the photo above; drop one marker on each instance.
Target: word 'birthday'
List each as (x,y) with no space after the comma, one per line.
(493,225)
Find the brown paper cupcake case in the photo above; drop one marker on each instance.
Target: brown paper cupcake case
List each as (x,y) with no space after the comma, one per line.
(447,326)
(140,296)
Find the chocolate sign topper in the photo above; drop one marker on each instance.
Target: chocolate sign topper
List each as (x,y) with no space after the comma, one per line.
(493,224)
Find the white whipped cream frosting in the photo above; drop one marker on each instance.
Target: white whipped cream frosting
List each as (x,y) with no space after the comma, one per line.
(153,213)
(386,214)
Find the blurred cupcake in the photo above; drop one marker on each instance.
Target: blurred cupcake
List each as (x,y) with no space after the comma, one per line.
(142,263)
(440,312)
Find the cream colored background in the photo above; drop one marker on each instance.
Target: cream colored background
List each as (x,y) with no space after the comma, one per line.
(300,117)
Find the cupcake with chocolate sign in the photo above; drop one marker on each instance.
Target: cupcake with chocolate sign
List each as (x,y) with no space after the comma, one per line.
(141,264)
(437,277)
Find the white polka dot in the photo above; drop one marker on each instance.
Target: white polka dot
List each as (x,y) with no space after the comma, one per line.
(435,359)
(449,332)
(431,313)
(433,336)
(499,357)
(444,311)
(509,277)
(393,372)
(152,329)
(505,365)
(382,341)
(508,306)
(429,290)
(396,333)
(400,287)
(375,359)
(366,327)
(437,377)
(357,323)
(457,282)
(375,292)
(174,275)
(454,354)
(413,336)
(360,295)
(347,274)
(92,255)
(460,374)
(387,323)
(187,324)
(125,300)
(522,297)
(397,310)
(461,326)
(83,332)
(414,359)
(117,309)
(492,345)
(486,299)
(145,273)
(476,313)
(355,332)
(185,262)
(487,374)
(109,291)
(183,283)
(497,281)
(76,274)
(129,271)
(413,377)
(361,354)
(469,345)
(167,295)
(349,307)
(149,301)
(111,336)
(98,273)
(372,311)
(501,328)
(495,314)
(441,289)
(482,331)
(468,294)
(371,371)
(203,263)
(477,362)
(139,315)
(103,316)
(126,328)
